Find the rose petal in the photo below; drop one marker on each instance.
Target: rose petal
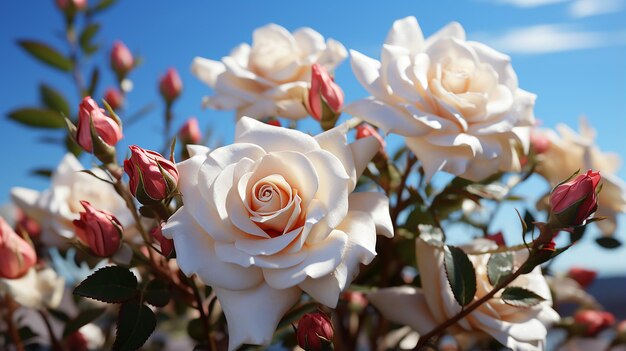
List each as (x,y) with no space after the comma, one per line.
(195,150)
(386,117)
(376,205)
(367,71)
(272,138)
(207,70)
(334,54)
(335,142)
(197,255)
(406,33)
(451,30)
(404,305)
(252,315)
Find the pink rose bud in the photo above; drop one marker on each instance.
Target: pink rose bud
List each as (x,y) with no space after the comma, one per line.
(167,245)
(324,91)
(152,177)
(77,4)
(114,98)
(170,85)
(27,224)
(99,230)
(190,132)
(571,203)
(366,130)
(539,142)
(356,300)
(107,128)
(314,331)
(497,238)
(582,276)
(16,255)
(122,60)
(594,321)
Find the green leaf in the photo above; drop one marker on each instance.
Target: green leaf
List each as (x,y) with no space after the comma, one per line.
(157,293)
(499,266)
(83,318)
(112,284)
(46,54)
(608,243)
(87,35)
(135,324)
(53,100)
(42,172)
(195,330)
(101,6)
(93,82)
(520,297)
(461,275)
(36,117)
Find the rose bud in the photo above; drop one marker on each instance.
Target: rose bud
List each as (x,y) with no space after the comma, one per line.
(28,225)
(582,276)
(497,238)
(73,4)
(99,230)
(77,342)
(167,245)
(325,97)
(170,85)
(16,255)
(594,321)
(114,98)
(122,60)
(106,127)
(365,130)
(539,142)
(152,177)
(190,132)
(571,203)
(273,122)
(314,332)
(356,300)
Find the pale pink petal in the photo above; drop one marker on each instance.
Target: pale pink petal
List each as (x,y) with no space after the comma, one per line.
(367,71)
(376,205)
(207,70)
(272,138)
(404,305)
(406,33)
(388,118)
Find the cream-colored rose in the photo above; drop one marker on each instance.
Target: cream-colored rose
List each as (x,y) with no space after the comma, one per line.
(270,78)
(519,328)
(273,215)
(456,102)
(56,207)
(569,152)
(37,289)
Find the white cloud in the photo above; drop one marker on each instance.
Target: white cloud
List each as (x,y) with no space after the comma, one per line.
(550,38)
(586,8)
(528,3)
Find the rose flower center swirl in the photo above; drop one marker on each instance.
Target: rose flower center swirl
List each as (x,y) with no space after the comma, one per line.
(274,205)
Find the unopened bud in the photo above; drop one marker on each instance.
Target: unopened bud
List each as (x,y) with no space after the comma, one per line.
(325,97)
(99,230)
(122,60)
(16,255)
(92,120)
(315,332)
(571,203)
(114,98)
(190,132)
(152,177)
(170,85)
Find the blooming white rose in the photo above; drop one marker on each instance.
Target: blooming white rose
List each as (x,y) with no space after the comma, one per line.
(456,102)
(519,328)
(37,289)
(271,77)
(273,215)
(569,152)
(56,207)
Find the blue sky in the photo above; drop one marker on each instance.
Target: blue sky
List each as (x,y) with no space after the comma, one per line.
(571,53)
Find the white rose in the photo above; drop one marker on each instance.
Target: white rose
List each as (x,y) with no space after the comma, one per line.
(456,102)
(56,207)
(37,289)
(271,77)
(569,152)
(273,215)
(518,328)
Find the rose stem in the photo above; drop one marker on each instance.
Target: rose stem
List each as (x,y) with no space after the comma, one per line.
(203,316)
(56,346)
(15,335)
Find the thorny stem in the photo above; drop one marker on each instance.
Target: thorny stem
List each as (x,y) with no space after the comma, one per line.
(203,316)
(424,339)
(10,306)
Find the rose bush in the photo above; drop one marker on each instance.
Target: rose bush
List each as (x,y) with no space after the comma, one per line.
(56,207)
(271,77)
(273,215)
(456,102)
(518,328)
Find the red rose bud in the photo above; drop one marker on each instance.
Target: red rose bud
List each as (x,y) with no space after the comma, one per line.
(571,203)
(167,245)
(28,225)
(170,85)
(152,177)
(71,4)
(594,321)
(497,238)
(16,255)
(99,230)
(190,132)
(324,93)
(122,60)
(314,332)
(114,98)
(365,130)
(539,142)
(106,127)
(582,276)
(77,342)
(273,122)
